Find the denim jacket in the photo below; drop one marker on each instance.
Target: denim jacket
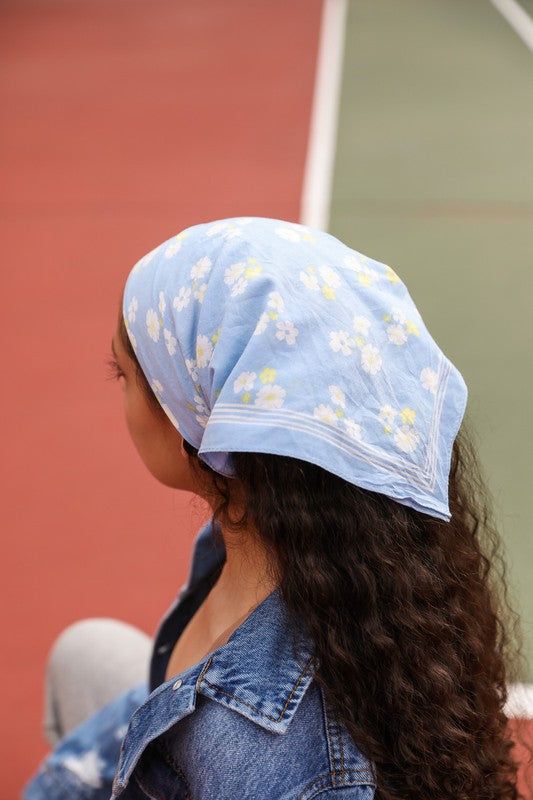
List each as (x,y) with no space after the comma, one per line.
(247,721)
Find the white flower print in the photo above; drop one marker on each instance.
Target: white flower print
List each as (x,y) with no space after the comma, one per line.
(171,416)
(262,324)
(132,309)
(396,334)
(387,414)
(361,325)
(218,227)
(352,262)
(170,342)
(162,303)
(353,429)
(239,286)
(232,273)
(329,276)
(310,281)
(152,324)
(245,382)
(200,292)
(190,363)
(145,259)
(157,386)
(337,395)
(371,360)
(429,379)
(87,767)
(406,438)
(287,331)
(200,403)
(174,245)
(340,340)
(204,351)
(201,419)
(275,301)
(270,396)
(201,268)
(325,414)
(290,234)
(182,298)
(133,340)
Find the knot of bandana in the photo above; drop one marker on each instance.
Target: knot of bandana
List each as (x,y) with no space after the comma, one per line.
(262,335)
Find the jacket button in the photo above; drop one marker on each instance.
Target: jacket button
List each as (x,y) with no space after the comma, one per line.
(177,684)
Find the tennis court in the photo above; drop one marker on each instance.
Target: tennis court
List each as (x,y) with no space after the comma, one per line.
(126,122)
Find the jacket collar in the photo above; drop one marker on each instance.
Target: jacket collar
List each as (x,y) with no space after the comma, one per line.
(256,673)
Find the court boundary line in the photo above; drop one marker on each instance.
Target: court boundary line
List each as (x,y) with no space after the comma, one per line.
(322,141)
(518,18)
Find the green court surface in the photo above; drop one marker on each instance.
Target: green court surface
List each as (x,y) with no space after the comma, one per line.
(434,175)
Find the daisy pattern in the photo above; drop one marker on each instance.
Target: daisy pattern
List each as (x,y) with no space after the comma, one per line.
(286,331)
(396,334)
(353,429)
(201,268)
(200,404)
(88,768)
(204,351)
(175,244)
(275,301)
(337,396)
(232,273)
(162,303)
(200,292)
(171,416)
(361,325)
(201,420)
(387,414)
(239,286)
(170,342)
(190,363)
(182,298)
(399,327)
(325,414)
(262,324)
(228,229)
(132,309)
(371,360)
(157,386)
(429,379)
(406,438)
(152,324)
(358,264)
(145,259)
(329,276)
(270,396)
(310,281)
(340,340)
(245,382)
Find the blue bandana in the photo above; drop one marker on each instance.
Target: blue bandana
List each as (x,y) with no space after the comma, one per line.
(261,335)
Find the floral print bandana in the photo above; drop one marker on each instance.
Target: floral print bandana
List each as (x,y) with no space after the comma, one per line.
(261,335)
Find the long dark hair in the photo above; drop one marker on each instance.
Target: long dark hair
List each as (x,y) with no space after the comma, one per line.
(415,637)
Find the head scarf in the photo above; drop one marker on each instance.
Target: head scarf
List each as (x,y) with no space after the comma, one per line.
(261,335)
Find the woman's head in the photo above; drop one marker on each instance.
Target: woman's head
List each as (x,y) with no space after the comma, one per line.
(406,603)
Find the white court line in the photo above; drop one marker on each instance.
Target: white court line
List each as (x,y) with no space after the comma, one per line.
(518,19)
(519,700)
(318,173)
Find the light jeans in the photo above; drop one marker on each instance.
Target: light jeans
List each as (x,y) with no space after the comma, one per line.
(91,662)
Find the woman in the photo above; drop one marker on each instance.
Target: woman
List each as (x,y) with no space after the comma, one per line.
(339,634)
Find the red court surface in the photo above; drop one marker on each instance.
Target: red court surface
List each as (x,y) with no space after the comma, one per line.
(122,124)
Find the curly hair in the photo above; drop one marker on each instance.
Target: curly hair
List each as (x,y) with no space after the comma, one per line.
(415,638)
